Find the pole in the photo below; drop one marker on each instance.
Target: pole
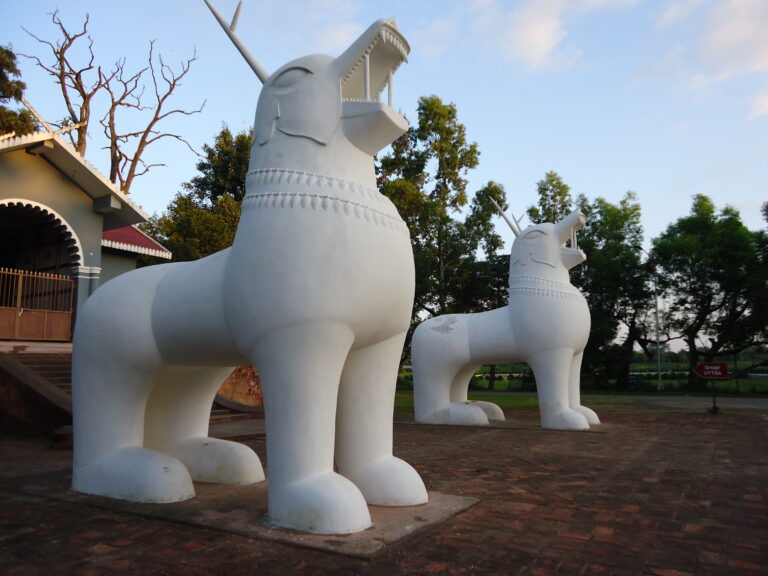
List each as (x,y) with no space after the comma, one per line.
(660,384)
(715,409)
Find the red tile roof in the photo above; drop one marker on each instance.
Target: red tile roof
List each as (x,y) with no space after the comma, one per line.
(131,239)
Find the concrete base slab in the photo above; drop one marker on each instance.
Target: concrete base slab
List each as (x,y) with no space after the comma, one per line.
(242,510)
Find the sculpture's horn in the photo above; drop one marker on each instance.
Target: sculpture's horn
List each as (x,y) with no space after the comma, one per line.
(230,30)
(512,224)
(573,221)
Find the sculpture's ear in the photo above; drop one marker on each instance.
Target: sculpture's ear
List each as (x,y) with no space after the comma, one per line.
(267,113)
(308,96)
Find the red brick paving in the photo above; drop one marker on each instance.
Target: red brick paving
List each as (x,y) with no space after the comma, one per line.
(646,494)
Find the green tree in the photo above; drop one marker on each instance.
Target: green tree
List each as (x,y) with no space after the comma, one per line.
(223,167)
(714,272)
(617,286)
(203,219)
(424,175)
(554,199)
(12,89)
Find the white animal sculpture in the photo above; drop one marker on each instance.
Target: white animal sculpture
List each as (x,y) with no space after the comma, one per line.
(546,323)
(316,292)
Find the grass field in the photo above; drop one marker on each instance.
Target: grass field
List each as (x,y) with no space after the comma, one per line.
(404,401)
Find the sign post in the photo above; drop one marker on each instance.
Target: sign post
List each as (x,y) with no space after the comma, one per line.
(712,371)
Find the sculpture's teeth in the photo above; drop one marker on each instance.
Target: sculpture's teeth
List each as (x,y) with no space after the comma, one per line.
(387,36)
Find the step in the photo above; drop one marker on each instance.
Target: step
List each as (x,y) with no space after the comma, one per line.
(231,417)
(56,368)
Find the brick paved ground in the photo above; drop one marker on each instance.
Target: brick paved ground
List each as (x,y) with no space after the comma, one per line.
(658,493)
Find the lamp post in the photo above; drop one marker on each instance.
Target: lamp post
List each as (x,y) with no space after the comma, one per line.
(659,383)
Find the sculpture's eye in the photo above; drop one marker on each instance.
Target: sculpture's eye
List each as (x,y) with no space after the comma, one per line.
(534,235)
(290,77)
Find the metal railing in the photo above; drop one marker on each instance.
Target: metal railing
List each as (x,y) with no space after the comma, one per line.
(36,290)
(35,305)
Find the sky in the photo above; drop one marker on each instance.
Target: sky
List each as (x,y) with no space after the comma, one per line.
(666,98)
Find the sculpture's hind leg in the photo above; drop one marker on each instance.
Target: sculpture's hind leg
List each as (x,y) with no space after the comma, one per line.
(300,367)
(459,397)
(441,372)
(177,416)
(114,358)
(364,427)
(575,391)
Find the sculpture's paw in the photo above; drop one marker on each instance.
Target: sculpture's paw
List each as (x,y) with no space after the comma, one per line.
(137,474)
(589,414)
(323,504)
(389,482)
(457,413)
(219,461)
(565,420)
(492,411)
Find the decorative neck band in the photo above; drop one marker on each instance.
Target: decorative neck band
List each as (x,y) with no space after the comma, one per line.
(280,188)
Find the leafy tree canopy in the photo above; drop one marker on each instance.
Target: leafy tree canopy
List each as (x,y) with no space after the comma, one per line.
(12,89)
(554,199)
(203,219)
(616,284)
(424,176)
(714,273)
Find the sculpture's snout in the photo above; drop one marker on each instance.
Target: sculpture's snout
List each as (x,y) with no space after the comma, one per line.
(365,70)
(567,227)
(566,230)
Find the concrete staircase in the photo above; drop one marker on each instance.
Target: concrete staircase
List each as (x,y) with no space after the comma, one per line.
(49,376)
(56,368)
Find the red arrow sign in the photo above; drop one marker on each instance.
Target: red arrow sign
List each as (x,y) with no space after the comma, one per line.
(712,371)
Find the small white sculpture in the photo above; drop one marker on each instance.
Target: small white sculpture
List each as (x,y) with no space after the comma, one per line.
(546,324)
(316,292)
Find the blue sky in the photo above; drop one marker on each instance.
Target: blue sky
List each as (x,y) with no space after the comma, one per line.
(667,98)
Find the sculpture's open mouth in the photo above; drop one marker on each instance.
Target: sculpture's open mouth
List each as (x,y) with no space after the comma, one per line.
(567,229)
(367,67)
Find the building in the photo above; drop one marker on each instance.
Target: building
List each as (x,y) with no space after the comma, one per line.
(64,230)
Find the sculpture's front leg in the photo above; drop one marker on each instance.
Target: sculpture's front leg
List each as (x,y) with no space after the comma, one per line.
(364,427)
(552,370)
(300,367)
(575,391)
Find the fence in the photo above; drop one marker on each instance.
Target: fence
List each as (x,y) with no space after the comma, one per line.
(35,306)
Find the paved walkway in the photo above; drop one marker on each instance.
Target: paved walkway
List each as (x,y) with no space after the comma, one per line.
(657,492)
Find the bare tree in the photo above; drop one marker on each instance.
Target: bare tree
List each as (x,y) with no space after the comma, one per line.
(77,88)
(128,93)
(81,82)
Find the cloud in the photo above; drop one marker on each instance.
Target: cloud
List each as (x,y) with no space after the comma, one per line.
(534,32)
(679,11)
(759,106)
(530,34)
(437,38)
(730,41)
(335,38)
(737,40)
(604,4)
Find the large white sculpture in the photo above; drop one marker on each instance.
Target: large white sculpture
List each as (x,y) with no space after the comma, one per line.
(546,324)
(316,292)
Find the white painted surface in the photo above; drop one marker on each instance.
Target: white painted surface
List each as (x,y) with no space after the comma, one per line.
(316,292)
(546,324)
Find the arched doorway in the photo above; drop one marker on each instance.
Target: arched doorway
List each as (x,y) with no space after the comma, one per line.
(39,253)
(36,239)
